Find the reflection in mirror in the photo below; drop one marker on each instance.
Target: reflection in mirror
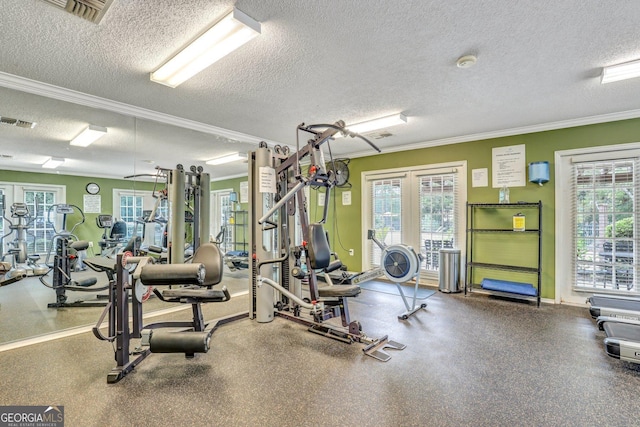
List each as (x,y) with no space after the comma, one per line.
(49,212)
(87,198)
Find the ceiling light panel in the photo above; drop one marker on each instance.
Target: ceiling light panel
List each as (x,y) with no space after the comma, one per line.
(375,124)
(53,162)
(88,136)
(615,73)
(226,35)
(233,157)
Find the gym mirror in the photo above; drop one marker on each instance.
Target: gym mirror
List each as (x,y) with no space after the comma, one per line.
(86,198)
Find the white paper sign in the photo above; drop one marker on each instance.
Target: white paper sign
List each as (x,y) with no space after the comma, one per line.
(321,198)
(346,198)
(267,180)
(508,166)
(244,192)
(480,177)
(92,203)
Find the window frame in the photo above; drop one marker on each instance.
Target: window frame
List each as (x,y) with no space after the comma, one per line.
(565,290)
(411,203)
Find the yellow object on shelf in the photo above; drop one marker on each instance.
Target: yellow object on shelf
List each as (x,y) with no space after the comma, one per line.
(518,222)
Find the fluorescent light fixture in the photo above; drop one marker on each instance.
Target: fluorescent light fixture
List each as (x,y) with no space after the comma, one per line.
(380,123)
(227,159)
(53,162)
(89,136)
(229,33)
(615,73)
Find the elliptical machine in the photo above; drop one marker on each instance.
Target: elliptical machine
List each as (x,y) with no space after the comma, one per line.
(67,247)
(22,264)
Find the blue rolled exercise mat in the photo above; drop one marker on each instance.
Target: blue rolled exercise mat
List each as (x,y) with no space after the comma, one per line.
(510,287)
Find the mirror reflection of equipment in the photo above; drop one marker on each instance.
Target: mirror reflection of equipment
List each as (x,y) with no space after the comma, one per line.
(22,264)
(67,258)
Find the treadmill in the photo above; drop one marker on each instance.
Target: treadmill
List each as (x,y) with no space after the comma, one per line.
(614,306)
(623,338)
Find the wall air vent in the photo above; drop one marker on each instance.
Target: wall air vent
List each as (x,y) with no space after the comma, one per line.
(91,10)
(16,122)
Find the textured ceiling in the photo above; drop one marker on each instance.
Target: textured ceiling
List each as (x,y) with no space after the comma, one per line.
(315,61)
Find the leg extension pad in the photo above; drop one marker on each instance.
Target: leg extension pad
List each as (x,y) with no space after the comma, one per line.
(179,342)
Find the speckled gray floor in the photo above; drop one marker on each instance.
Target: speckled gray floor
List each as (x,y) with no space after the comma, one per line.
(471,361)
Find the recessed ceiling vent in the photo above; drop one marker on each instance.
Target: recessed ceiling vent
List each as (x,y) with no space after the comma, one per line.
(378,134)
(91,10)
(17,122)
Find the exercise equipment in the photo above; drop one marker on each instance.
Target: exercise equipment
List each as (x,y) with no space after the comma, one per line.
(508,286)
(188,193)
(280,262)
(66,258)
(126,297)
(113,236)
(619,317)
(623,338)
(400,263)
(624,307)
(22,264)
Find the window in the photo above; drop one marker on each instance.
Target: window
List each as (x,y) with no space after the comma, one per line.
(221,214)
(420,207)
(131,207)
(41,232)
(596,210)
(437,215)
(605,208)
(386,215)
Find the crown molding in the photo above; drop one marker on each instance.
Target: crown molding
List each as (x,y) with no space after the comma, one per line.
(23,84)
(542,127)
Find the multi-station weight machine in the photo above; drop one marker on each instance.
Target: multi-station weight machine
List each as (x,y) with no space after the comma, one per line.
(284,259)
(189,283)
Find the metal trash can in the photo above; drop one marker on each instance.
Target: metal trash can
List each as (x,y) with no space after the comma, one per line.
(449,270)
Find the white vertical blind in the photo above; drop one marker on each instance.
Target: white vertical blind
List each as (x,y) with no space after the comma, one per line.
(604,208)
(437,216)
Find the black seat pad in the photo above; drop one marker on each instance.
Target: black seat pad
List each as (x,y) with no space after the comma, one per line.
(204,295)
(100,263)
(318,249)
(339,291)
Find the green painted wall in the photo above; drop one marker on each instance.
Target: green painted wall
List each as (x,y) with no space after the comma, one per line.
(539,146)
(75,189)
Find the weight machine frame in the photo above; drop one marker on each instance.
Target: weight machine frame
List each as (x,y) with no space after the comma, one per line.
(276,189)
